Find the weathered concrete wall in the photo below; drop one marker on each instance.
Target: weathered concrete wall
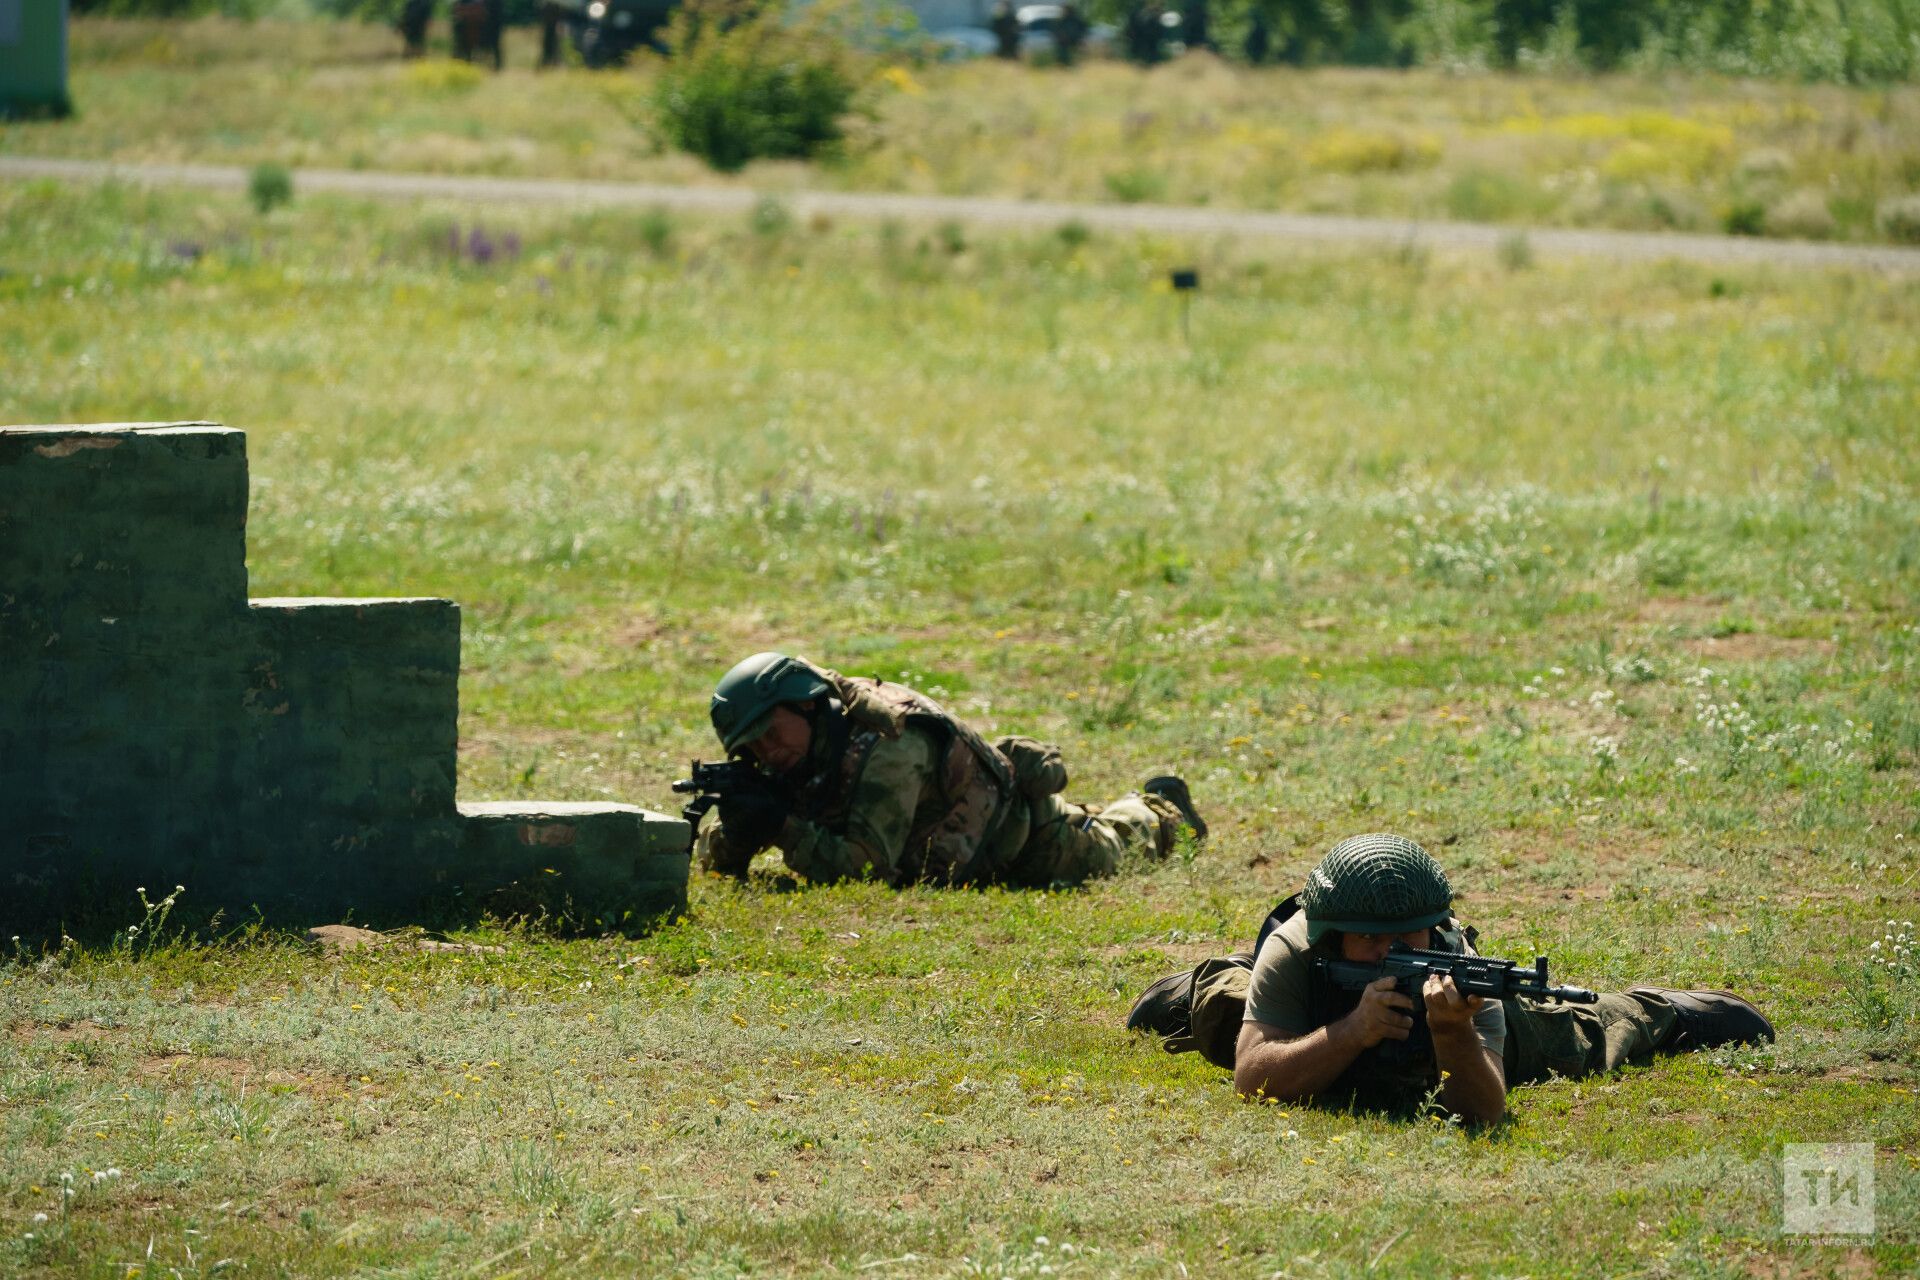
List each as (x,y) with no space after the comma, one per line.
(297,755)
(350,716)
(122,617)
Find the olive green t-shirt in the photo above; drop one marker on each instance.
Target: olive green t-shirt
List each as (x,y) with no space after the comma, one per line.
(1278,995)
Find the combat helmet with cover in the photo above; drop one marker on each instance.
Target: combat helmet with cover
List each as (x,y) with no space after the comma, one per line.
(1376,883)
(744,700)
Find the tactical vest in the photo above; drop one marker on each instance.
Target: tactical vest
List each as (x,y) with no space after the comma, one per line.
(973,781)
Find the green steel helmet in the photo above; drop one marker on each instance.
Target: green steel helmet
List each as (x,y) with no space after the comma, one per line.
(1375,883)
(744,699)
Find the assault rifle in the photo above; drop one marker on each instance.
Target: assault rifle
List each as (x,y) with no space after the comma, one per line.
(1473,975)
(712,783)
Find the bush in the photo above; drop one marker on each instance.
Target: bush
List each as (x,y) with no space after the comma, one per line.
(769,218)
(1342,150)
(656,231)
(745,86)
(1136,183)
(269,186)
(1804,215)
(1900,219)
(1744,218)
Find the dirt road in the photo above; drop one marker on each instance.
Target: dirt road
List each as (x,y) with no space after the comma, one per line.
(1163,219)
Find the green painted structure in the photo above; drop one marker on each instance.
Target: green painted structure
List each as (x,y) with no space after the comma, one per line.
(33,58)
(157,727)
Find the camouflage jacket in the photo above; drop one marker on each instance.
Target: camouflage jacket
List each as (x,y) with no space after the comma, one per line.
(916,795)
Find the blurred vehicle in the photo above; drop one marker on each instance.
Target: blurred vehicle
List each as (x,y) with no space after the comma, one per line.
(606,32)
(954,44)
(1037,23)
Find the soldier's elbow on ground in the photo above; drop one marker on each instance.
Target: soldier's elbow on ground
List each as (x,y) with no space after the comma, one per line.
(1256,1081)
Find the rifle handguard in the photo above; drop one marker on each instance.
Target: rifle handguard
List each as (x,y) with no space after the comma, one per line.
(1473,975)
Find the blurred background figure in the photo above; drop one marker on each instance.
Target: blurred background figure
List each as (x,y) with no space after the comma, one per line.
(1196,26)
(1259,43)
(415,17)
(1145,33)
(1069,33)
(552,13)
(1006,31)
(476,30)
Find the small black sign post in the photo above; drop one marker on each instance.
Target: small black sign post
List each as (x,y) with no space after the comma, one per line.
(1186,282)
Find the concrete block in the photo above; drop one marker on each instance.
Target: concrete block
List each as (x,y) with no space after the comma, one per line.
(107,531)
(610,863)
(357,701)
(297,755)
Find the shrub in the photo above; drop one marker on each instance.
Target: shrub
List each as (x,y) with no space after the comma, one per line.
(744,86)
(1516,251)
(769,217)
(1136,184)
(1480,195)
(1803,215)
(1744,218)
(269,186)
(1900,219)
(656,231)
(1364,151)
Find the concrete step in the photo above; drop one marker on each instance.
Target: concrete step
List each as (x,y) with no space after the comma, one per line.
(294,754)
(607,863)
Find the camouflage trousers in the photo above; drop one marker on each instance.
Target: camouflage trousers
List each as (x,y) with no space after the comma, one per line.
(1068,842)
(1544,1039)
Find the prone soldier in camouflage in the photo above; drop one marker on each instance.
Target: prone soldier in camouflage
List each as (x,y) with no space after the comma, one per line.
(1286,1032)
(867,779)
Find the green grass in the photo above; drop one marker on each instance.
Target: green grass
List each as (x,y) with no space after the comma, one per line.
(1654,153)
(1411,542)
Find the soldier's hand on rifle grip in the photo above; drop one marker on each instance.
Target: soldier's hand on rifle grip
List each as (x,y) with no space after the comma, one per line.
(1382,1014)
(752,820)
(1449,1013)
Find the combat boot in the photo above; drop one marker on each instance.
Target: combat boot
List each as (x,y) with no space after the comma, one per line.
(1173,790)
(1708,1019)
(1166,1007)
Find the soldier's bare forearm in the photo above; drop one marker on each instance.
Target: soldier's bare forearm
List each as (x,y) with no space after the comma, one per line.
(1473,1083)
(1270,1065)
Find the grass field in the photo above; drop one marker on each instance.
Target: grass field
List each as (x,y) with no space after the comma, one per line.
(1696,154)
(1600,581)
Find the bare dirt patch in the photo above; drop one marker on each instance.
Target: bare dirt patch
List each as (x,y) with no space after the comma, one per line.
(1179,954)
(1834,1262)
(637,631)
(237,1072)
(1680,611)
(1752,646)
(70,1033)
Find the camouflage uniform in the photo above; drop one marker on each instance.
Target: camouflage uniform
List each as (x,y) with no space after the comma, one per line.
(1543,1039)
(900,790)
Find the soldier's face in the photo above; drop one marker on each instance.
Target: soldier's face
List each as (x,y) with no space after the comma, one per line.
(784,743)
(1371,948)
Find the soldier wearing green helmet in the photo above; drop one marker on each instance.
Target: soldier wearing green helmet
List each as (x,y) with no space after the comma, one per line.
(869,779)
(1272,1018)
